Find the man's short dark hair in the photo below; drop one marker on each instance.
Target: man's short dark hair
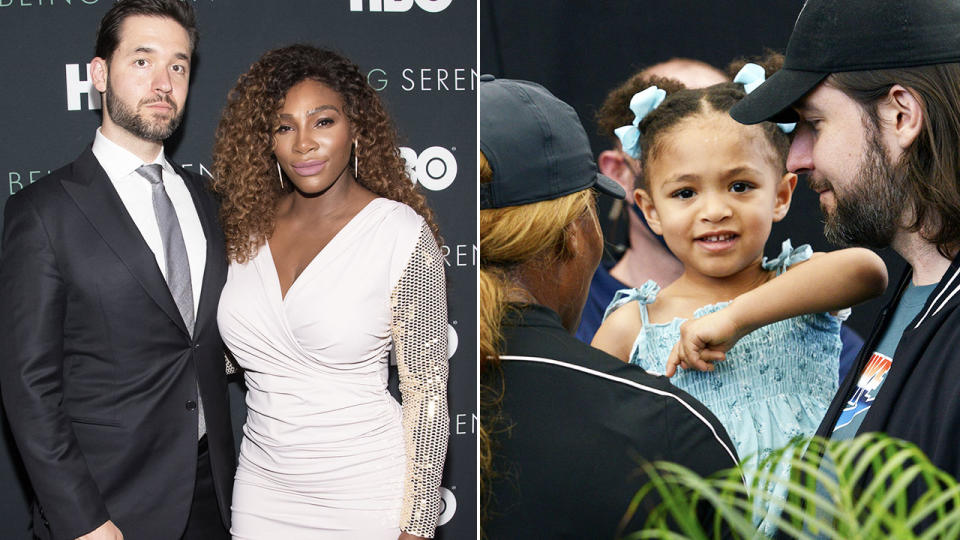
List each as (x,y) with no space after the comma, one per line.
(931,165)
(108,35)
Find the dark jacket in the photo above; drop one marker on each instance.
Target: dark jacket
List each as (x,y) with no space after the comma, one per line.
(98,374)
(920,398)
(576,425)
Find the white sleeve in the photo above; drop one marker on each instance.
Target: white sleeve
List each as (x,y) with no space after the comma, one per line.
(419,327)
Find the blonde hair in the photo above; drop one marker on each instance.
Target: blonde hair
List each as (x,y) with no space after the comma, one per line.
(536,234)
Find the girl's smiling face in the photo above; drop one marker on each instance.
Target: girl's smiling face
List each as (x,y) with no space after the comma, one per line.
(715,188)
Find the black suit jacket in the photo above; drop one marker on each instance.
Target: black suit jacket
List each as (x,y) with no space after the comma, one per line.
(98,373)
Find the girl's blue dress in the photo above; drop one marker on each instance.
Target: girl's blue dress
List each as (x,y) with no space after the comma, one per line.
(776,382)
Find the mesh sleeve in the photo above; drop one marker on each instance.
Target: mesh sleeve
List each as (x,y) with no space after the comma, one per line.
(419,326)
(230,363)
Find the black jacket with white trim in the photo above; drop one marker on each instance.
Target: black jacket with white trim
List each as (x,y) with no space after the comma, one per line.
(576,424)
(920,398)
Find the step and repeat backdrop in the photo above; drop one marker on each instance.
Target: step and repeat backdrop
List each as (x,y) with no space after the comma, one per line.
(420,55)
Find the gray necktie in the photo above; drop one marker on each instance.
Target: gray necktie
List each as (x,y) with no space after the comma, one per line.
(175,253)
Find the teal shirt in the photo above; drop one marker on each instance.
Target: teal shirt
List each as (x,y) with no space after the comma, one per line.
(875,372)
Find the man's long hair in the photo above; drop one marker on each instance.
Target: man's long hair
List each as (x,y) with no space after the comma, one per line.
(931,165)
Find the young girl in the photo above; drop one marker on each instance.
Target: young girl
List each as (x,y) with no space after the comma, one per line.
(757,343)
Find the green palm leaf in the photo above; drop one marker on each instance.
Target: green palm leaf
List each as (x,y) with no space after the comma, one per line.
(865,493)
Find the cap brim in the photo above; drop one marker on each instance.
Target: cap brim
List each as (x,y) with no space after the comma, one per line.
(772,100)
(608,186)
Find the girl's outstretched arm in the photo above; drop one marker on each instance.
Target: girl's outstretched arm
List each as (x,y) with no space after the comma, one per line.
(618,332)
(827,282)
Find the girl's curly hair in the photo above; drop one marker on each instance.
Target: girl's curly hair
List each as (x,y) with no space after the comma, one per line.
(244,168)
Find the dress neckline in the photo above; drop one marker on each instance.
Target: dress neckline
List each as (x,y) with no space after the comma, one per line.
(336,239)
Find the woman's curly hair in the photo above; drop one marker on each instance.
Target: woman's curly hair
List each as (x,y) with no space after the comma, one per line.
(244,168)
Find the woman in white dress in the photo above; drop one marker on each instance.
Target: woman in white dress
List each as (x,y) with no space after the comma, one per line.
(334,264)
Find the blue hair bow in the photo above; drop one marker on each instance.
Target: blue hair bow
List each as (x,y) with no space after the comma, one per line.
(641,104)
(751,76)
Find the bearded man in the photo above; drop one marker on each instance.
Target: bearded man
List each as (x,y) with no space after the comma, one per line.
(113,373)
(873,84)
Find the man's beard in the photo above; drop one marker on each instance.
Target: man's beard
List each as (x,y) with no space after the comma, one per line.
(869,211)
(135,123)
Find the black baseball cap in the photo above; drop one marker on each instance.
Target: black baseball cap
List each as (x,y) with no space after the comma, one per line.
(535,145)
(832,36)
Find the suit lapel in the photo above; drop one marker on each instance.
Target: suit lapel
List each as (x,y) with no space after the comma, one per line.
(216,263)
(91,190)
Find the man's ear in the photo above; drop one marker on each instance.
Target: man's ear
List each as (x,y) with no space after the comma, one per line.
(645,202)
(903,112)
(98,74)
(784,195)
(613,163)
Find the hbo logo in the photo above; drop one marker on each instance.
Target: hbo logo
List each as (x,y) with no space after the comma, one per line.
(435,168)
(448,506)
(430,6)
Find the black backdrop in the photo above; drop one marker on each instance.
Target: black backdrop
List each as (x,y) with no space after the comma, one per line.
(421,57)
(580,50)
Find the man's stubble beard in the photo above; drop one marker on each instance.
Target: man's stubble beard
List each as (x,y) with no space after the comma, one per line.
(133,122)
(870,210)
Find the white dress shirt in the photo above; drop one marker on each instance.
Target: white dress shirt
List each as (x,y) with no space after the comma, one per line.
(137,196)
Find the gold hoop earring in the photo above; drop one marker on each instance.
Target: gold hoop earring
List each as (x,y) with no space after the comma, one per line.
(356,150)
(280,174)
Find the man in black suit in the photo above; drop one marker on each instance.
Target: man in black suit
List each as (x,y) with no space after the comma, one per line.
(113,374)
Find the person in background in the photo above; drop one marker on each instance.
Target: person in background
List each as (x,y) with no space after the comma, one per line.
(564,427)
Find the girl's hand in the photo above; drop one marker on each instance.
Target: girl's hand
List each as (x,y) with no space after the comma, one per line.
(704,341)
(408,536)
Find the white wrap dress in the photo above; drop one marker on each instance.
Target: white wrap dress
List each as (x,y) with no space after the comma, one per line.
(327,452)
